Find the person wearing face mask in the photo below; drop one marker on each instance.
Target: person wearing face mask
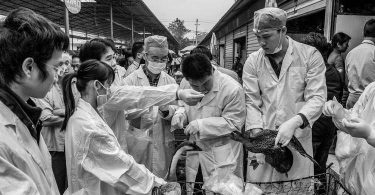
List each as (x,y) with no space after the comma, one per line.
(115,116)
(96,163)
(137,52)
(150,141)
(221,111)
(285,88)
(52,116)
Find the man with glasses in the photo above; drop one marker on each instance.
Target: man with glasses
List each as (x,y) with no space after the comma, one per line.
(53,114)
(284,83)
(150,141)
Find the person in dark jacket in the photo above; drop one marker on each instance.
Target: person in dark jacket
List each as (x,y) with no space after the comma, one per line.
(324,131)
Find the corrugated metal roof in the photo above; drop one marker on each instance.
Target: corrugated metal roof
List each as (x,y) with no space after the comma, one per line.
(94,18)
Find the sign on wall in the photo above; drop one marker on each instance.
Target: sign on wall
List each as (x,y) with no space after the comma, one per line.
(74,6)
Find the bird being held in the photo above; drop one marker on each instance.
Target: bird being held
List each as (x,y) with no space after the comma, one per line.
(281,158)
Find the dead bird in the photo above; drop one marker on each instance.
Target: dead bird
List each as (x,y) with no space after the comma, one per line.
(281,158)
(183,147)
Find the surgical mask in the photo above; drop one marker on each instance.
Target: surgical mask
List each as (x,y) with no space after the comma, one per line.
(156,67)
(101,99)
(279,46)
(61,70)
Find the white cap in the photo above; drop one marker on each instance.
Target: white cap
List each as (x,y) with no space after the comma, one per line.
(178,73)
(269,18)
(156,41)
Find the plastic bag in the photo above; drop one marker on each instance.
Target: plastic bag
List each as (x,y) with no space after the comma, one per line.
(223,182)
(346,145)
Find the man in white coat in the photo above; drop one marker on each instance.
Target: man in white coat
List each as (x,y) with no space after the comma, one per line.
(28,61)
(220,112)
(284,83)
(149,138)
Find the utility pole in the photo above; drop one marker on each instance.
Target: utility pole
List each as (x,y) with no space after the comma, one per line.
(196,32)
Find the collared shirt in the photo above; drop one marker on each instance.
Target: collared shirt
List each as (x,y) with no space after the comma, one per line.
(360,67)
(53,136)
(153,82)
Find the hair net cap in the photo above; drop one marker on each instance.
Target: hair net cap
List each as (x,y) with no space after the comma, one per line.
(178,73)
(269,18)
(156,41)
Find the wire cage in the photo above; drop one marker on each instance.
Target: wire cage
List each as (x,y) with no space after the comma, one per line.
(323,184)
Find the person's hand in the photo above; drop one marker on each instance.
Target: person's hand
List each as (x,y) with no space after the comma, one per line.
(190,96)
(260,158)
(287,129)
(164,108)
(357,127)
(252,132)
(59,112)
(192,128)
(177,121)
(334,108)
(171,187)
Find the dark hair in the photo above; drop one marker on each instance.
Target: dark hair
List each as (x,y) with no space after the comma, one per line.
(122,61)
(339,38)
(88,71)
(196,66)
(26,34)
(203,50)
(369,29)
(137,48)
(95,49)
(75,54)
(318,41)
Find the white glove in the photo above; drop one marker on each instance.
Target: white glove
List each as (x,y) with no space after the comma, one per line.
(190,96)
(287,129)
(192,128)
(261,158)
(357,127)
(177,121)
(334,108)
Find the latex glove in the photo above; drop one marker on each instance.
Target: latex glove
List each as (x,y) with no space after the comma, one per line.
(334,108)
(59,112)
(190,96)
(287,129)
(192,128)
(177,121)
(260,158)
(164,108)
(171,188)
(251,133)
(357,127)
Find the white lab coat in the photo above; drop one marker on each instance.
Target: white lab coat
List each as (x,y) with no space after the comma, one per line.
(151,144)
(270,101)
(357,166)
(127,100)
(96,164)
(119,76)
(220,112)
(25,165)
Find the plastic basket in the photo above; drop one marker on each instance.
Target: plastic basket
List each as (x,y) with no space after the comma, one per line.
(323,184)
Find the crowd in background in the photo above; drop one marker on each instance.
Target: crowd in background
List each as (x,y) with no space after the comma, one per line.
(103,120)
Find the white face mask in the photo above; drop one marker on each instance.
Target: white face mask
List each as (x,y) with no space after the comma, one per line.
(279,46)
(101,99)
(156,67)
(61,70)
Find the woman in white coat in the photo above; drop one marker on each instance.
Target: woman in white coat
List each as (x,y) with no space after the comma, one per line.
(96,164)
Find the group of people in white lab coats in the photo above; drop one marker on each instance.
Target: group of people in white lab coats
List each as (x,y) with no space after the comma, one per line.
(117,129)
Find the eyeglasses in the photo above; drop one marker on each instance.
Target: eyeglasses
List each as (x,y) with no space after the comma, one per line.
(157,59)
